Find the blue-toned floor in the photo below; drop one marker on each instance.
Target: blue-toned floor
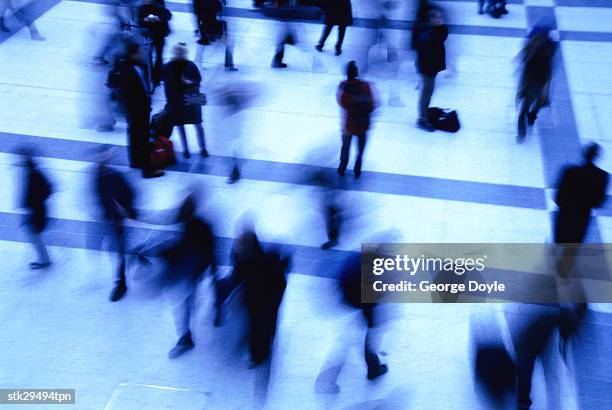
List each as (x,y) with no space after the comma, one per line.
(58,328)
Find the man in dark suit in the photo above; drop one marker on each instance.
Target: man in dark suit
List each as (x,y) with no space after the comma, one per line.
(580,189)
(153,17)
(428,40)
(130,78)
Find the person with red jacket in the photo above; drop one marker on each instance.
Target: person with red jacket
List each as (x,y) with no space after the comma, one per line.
(356,98)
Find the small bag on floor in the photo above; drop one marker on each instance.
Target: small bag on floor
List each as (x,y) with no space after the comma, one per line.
(443,119)
(497,8)
(162,153)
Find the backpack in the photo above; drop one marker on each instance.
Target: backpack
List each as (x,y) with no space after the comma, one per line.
(444,120)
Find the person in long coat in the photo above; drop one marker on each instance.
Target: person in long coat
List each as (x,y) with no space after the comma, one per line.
(337,13)
(536,75)
(182,88)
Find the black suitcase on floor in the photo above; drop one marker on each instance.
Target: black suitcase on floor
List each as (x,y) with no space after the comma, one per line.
(444,120)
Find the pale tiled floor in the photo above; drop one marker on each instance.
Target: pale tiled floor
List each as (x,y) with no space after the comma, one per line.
(59,330)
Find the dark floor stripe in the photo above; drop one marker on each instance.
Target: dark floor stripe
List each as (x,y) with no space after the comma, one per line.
(560,145)
(302,174)
(405,25)
(67,233)
(584,3)
(28,13)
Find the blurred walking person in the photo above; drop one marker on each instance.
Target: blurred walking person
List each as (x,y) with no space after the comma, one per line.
(357,100)
(215,28)
(116,198)
(36,191)
(350,289)
(182,88)
(186,262)
(130,79)
(428,40)
(581,188)
(536,74)
(337,13)
(20,14)
(206,17)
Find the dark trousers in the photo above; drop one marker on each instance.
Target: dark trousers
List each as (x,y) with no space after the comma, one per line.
(138,138)
(118,237)
(327,30)
(428,83)
(263,328)
(287,37)
(346,147)
(157,45)
(199,132)
(531,104)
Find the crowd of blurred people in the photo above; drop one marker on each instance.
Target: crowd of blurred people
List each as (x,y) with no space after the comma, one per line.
(133,58)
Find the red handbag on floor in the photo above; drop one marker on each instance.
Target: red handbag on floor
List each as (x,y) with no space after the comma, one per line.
(162,153)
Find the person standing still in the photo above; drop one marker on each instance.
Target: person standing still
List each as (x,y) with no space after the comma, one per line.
(131,80)
(182,88)
(431,59)
(356,98)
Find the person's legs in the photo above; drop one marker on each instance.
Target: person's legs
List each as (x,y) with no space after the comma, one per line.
(182,317)
(118,236)
(324,34)
(372,345)
(522,118)
(183,135)
(229,52)
(344,153)
(40,248)
(201,140)
(341,32)
(361,143)
(427,89)
(481,6)
(158,44)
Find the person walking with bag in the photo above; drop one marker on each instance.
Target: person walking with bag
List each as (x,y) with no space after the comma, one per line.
(184,101)
(356,98)
(337,13)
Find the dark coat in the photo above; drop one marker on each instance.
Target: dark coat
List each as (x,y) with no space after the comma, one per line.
(193,253)
(338,12)
(431,53)
(115,195)
(37,190)
(133,89)
(357,100)
(182,79)
(157,29)
(580,189)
